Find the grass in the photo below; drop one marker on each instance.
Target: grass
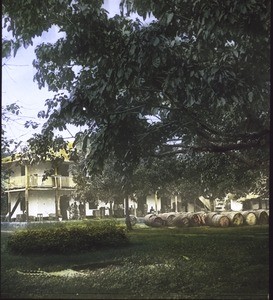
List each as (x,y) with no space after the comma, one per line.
(160,263)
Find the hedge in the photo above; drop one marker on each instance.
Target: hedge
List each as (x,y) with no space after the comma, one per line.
(68,239)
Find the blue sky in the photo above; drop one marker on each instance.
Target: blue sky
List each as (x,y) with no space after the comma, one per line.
(18,86)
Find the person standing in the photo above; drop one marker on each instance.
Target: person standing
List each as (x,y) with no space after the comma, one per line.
(75,211)
(152,211)
(81,210)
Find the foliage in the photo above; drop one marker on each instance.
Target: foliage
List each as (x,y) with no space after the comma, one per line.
(106,186)
(68,238)
(209,175)
(194,82)
(161,264)
(215,175)
(8,114)
(8,146)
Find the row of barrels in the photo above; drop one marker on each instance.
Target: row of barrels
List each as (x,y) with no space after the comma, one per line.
(214,219)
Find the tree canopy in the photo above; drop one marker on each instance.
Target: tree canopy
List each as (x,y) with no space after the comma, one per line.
(194,82)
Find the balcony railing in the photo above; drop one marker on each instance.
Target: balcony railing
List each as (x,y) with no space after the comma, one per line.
(15,182)
(36,180)
(63,181)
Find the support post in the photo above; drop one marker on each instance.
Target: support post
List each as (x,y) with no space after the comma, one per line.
(9,207)
(111,209)
(26,192)
(135,210)
(56,205)
(127,215)
(56,195)
(84,210)
(175,199)
(156,201)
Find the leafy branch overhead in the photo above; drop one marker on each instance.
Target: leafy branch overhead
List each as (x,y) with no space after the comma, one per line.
(195,79)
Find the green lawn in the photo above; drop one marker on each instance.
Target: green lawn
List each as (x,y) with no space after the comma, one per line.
(160,263)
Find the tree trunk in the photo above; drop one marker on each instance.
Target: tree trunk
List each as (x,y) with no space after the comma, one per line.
(111,209)
(127,215)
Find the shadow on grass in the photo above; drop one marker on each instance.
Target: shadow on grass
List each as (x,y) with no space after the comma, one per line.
(196,263)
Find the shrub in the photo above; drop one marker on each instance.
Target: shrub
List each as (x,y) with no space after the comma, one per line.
(68,239)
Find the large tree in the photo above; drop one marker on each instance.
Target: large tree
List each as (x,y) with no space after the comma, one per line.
(194,81)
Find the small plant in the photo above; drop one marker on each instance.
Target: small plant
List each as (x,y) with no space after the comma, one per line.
(68,239)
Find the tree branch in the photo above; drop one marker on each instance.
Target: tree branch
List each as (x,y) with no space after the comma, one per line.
(212,148)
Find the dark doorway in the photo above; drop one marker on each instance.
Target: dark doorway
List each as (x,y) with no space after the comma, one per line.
(64,205)
(22,202)
(165,204)
(141,205)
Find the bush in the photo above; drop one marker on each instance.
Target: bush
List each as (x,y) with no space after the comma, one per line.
(68,239)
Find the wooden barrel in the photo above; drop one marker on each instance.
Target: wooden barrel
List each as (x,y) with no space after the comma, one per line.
(220,221)
(195,219)
(181,220)
(249,218)
(168,218)
(202,216)
(208,218)
(236,218)
(262,216)
(153,220)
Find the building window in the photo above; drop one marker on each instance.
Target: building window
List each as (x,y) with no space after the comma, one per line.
(92,205)
(23,171)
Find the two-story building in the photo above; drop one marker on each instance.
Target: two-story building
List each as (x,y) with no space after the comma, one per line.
(31,197)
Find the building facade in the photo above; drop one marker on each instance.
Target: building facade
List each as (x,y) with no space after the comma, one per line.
(30,197)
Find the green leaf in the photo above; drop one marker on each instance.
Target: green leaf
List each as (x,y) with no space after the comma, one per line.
(250,96)
(169,18)
(156,62)
(132,49)
(154,66)
(156,41)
